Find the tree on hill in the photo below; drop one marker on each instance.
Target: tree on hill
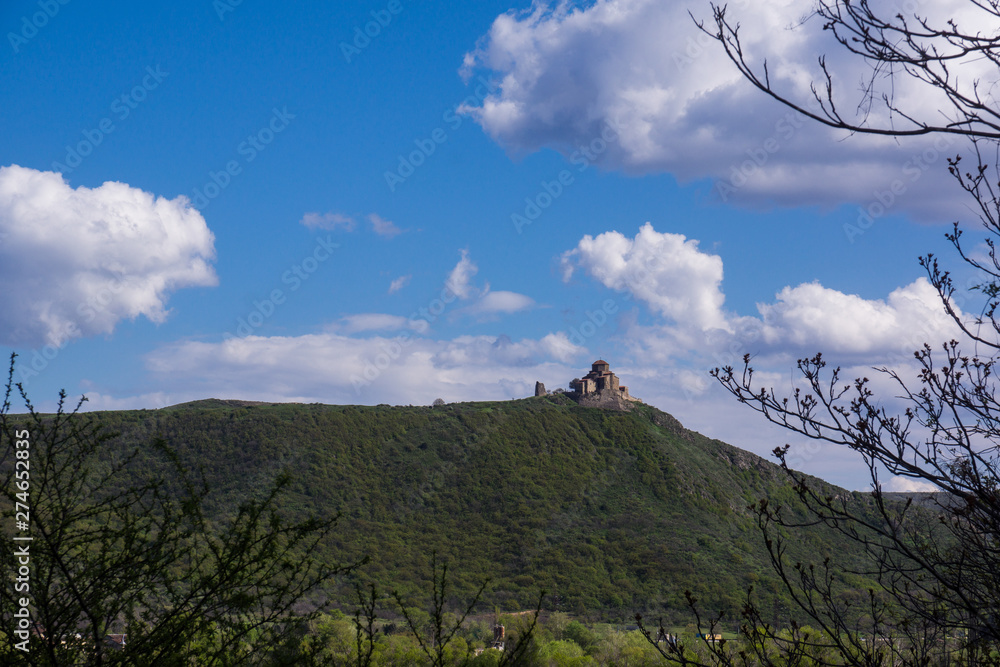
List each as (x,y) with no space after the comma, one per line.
(939,572)
(108,564)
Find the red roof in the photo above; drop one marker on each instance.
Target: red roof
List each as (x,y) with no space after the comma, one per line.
(601,361)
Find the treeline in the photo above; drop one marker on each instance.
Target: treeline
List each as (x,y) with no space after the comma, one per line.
(558,640)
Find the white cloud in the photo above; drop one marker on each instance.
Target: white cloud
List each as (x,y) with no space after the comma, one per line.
(561,348)
(328,220)
(384,227)
(334,368)
(379,322)
(458,280)
(493,303)
(485,303)
(399,283)
(154,400)
(825,319)
(909,485)
(492,351)
(333,221)
(681,283)
(76,261)
(666,271)
(680,106)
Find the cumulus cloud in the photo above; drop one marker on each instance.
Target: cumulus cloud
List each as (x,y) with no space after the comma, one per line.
(813,315)
(683,284)
(384,227)
(679,106)
(76,261)
(666,271)
(329,221)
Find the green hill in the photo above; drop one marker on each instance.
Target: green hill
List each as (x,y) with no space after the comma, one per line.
(610,512)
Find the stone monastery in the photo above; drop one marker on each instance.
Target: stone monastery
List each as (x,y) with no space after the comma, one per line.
(599,388)
(599,380)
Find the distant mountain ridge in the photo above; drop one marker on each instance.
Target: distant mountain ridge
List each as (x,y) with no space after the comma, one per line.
(611,512)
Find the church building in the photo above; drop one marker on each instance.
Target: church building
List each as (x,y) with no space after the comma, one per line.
(600,380)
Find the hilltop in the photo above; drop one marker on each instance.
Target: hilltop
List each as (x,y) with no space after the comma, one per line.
(610,511)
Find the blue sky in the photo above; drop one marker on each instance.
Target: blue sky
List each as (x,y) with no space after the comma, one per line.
(261,201)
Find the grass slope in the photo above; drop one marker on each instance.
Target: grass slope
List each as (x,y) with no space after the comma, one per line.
(610,512)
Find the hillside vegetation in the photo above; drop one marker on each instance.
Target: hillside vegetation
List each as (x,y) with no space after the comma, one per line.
(610,512)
